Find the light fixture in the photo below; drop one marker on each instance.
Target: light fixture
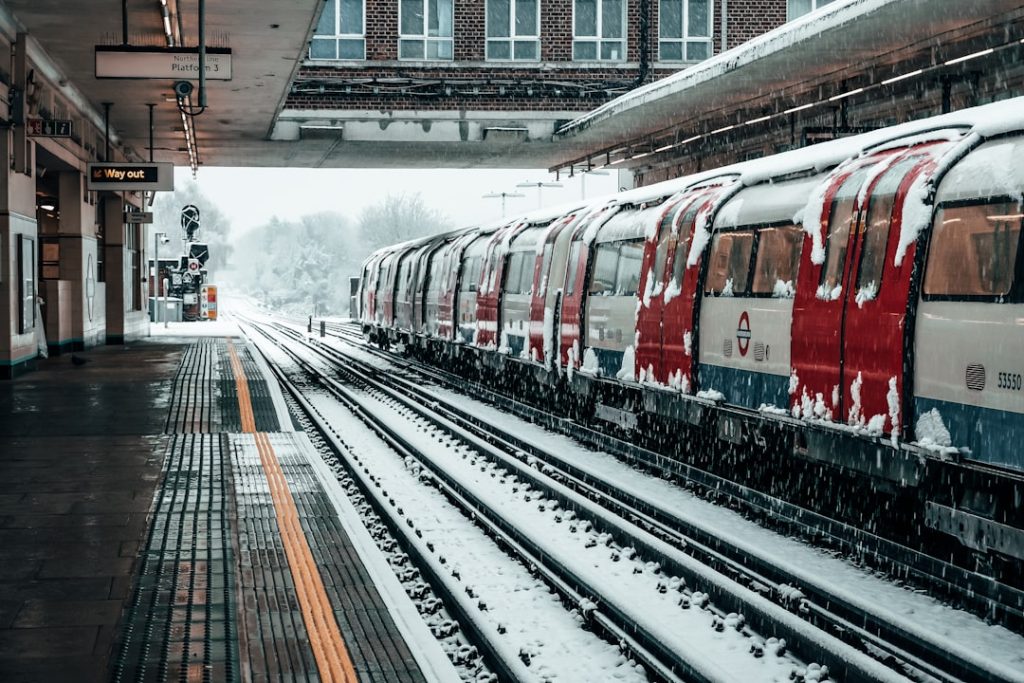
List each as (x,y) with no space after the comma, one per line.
(980,53)
(722,129)
(845,95)
(800,108)
(757,120)
(910,74)
(47,206)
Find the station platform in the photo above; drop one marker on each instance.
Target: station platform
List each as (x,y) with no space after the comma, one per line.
(161,519)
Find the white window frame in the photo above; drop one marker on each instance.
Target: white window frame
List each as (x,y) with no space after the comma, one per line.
(338,35)
(815,5)
(424,38)
(685,38)
(597,39)
(513,38)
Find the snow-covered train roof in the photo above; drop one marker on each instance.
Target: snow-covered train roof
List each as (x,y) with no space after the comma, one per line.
(984,121)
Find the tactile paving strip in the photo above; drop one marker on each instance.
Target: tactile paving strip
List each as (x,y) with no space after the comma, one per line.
(263,409)
(194,403)
(181,623)
(274,641)
(378,652)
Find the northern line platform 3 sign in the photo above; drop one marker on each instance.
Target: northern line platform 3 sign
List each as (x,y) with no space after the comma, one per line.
(130,177)
(172,63)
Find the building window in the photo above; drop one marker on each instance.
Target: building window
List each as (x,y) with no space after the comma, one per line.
(599,30)
(684,30)
(425,29)
(798,8)
(340,33)
(513,28)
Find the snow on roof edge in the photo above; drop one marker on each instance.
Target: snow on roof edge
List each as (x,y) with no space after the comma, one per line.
(829,17)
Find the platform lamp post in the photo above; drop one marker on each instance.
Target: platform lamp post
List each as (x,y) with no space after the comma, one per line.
(539,185)
(159,237)
(503,196)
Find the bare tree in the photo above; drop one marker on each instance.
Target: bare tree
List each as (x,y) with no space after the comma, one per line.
(398,218)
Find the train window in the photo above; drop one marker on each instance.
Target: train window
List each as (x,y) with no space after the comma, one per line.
(631,257)
(470,274)
(778,260)
(606,261)
(729,267)
(513,273)
(683,243)
(974,250)
(529,261)
(664,238)
(433,281)
(840,222)
(573,268)
(545,268)
(875,228)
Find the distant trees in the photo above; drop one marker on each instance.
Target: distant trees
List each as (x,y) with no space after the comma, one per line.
(398,218)
(304,265)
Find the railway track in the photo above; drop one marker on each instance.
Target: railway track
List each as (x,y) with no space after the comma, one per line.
(980,594)
(910,653)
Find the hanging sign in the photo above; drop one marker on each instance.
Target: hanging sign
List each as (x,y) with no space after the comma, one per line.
(166,63)
(138,217)
(130,177)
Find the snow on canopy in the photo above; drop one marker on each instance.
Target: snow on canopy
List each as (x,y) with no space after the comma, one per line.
(808,26)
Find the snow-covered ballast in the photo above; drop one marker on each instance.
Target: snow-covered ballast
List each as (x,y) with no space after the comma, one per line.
(861,296)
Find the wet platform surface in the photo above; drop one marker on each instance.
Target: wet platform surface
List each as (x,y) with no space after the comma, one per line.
(81,454)
(157,523)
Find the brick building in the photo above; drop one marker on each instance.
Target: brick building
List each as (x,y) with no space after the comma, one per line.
(418,71)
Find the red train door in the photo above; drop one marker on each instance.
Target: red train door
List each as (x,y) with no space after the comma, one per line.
(818,305)
(850,311)
(876,300)
(575,289)
(655,278)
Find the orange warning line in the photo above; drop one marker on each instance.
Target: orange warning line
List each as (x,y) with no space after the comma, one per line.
(329,649)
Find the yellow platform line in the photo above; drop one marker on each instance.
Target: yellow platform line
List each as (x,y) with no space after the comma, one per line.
(332,658)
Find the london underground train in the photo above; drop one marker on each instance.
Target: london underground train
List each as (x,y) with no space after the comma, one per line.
(858,303)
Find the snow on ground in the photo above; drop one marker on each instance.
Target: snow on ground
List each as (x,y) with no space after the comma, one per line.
(623,581)
(961,631)
(534,622)
(202,328)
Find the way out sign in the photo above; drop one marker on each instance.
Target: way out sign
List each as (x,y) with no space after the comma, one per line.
(128,177)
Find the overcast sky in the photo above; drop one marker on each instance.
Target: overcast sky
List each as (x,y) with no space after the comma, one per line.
(251,196)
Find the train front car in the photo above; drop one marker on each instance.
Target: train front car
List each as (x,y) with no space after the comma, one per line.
(969,344)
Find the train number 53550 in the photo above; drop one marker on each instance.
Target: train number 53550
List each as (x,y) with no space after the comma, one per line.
(1010,380)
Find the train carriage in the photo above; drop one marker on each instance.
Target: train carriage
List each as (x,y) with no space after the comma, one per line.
(968,344)
(747,309)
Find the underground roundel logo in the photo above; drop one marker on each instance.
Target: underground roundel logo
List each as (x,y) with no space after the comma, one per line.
(743,333)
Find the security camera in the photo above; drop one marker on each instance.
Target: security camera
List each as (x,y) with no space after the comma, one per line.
(182,89)
(164,239)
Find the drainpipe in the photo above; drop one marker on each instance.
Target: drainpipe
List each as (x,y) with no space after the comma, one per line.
(643,42)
